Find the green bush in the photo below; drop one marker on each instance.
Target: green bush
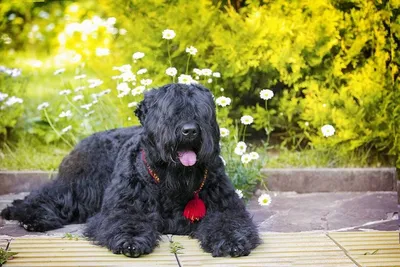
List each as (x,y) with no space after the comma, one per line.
(329,62)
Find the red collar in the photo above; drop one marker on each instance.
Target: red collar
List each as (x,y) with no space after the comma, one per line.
(151,172)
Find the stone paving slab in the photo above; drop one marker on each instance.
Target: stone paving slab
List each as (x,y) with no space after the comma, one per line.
(340,211)
(288,212)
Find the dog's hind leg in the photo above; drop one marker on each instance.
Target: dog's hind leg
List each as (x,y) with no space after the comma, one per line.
(77,193)
(49,208)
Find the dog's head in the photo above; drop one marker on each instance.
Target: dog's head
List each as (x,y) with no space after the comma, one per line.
(180,125)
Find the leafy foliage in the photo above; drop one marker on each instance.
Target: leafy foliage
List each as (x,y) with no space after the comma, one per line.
(328,62)
(6,255)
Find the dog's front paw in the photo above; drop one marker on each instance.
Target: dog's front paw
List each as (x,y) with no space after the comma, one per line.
(233,248)
(228,241)
(132,249)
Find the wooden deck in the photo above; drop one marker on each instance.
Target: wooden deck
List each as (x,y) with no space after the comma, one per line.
(279,249)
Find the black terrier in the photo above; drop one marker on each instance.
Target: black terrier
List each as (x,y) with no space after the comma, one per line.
(134,184)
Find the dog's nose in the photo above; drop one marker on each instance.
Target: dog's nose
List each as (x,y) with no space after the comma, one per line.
(190,130)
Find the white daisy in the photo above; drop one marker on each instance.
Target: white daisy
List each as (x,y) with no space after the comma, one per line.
(79,88)
(59,71)
(94,83)
(123,68)
(105,92)
(13,100)
(254,155)
(141,71)
(328,130)
(216,74)
(191,50)
(64,92)
(168,34)
(240,148)
(123,87)
(224,132)
(247,119)
(171,71)
(79,77)
(132,104)
(87,106)
(138,90)
(3,96)
(264,200)
(43,105)
(266,94)
(206,72)
(246,158)
(128,76)
(77,97)
(186,79)
(146,82)
(138,55)
(198,71)
(64,114)
(223,101)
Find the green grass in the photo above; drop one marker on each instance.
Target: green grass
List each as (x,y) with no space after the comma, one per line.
(31,155)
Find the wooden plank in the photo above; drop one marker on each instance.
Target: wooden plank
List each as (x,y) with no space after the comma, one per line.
(371,249)
(287,249)
(295,249)
(60,252)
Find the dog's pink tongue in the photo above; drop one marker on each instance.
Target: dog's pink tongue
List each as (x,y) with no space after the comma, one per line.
(187,158)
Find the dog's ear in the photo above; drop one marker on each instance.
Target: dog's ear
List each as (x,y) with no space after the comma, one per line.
(143,106)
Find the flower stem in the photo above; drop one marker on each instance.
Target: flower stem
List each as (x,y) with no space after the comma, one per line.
(80,113)
(169,55)
(187,65)
(268,119)
(244,133)
(55,130)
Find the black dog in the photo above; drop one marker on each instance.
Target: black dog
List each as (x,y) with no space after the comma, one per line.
(134,184)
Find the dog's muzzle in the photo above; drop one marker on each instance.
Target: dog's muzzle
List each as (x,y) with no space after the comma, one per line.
(190,132)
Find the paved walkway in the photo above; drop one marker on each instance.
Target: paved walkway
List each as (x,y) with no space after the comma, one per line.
(289,212)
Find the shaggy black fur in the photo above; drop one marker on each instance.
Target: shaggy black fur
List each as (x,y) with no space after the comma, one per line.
(105,182)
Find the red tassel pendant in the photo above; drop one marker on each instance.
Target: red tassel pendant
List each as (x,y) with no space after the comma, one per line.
(195,209)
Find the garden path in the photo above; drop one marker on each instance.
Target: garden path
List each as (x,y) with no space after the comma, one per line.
(317,229)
